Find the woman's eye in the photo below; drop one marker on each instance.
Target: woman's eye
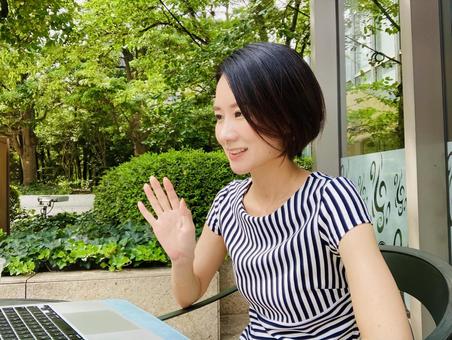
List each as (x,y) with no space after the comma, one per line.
(237,114)
(218,117)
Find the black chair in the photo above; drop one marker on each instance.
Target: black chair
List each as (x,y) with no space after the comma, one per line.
(200,304)
(419,274)
(428,279)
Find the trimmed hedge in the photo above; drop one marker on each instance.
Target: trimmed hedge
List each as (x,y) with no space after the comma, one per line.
(197,176)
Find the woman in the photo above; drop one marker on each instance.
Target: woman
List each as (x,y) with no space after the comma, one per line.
(303,250)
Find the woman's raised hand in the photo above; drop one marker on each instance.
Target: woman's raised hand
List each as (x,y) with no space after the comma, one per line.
(173,224)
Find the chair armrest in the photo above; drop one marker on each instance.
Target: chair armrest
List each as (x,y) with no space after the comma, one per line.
(200,304)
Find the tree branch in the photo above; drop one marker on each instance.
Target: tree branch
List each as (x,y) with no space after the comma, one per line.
(4,10)
(193,37)
(155,24)
(373,50)
(293,25)
(298,10)
(386,14)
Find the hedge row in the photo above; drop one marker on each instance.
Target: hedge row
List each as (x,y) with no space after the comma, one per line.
(196,175)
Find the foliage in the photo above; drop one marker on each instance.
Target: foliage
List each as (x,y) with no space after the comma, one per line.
(34,24)
(61,186)
(380,126)
(89,84)
(196,175)
(375,113)
(14,202)
(304,162)
(68,242)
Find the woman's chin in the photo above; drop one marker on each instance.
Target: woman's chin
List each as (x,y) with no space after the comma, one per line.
(239,170)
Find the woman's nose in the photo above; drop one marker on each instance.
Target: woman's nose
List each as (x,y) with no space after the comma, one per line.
(226,131)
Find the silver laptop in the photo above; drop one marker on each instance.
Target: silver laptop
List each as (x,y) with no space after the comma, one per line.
(102,319)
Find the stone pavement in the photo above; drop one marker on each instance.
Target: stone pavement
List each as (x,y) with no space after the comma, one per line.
(75,203)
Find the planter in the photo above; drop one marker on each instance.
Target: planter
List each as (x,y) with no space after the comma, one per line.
(233,308)
(150,289)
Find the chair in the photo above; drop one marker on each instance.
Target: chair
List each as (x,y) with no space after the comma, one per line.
(200,304)
(428,279)
(424,276)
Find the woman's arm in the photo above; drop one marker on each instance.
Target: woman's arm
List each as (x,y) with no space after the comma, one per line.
(193,264)
(191,280)
(378,306)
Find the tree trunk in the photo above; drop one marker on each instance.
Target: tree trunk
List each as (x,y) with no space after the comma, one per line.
(293,25)
(28,157)
(128,57)
(136,135)
(85,174)
(24,141)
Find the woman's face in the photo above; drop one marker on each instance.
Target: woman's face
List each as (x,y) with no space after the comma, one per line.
(246,150)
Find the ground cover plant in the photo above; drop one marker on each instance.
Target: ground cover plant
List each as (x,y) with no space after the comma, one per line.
(68,241)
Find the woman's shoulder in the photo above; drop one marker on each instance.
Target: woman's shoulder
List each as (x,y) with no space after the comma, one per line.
(326,182)
(233,188)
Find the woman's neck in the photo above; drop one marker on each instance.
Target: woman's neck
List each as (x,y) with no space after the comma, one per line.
(272,185)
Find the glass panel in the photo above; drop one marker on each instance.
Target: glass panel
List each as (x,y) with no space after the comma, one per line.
(374,158)
(374,117)
(380,180)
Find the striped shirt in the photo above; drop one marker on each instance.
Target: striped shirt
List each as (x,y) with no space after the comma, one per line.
(287,264)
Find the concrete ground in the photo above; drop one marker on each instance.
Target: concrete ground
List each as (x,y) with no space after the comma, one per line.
(75,203)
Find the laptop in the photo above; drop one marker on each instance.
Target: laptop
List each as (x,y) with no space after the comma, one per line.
(92,320)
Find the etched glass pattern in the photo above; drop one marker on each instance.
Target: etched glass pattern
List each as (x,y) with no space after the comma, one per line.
(380,180)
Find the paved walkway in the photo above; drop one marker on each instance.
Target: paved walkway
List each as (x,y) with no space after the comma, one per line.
(75,203)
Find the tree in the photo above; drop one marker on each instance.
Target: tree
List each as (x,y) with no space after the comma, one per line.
(128,77)
(26,29)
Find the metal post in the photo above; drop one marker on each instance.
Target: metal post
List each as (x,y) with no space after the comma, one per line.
(327,64)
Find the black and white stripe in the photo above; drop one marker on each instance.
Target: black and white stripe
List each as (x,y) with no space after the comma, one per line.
(287,264)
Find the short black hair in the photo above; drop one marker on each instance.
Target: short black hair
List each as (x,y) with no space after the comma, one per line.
(277,94)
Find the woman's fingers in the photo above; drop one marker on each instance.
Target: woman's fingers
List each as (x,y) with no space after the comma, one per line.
(160,194)
(152,199)
(186,213)
(146,214)
(172,195)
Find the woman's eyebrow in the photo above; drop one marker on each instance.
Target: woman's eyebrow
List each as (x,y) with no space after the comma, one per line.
(232,106)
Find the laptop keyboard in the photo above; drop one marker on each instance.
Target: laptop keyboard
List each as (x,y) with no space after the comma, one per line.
(34,322)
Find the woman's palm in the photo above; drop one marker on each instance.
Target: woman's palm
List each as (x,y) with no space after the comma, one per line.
(173,225)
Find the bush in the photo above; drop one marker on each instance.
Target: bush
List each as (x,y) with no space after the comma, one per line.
(69,241)
(196,175)
(304,162)
(14,202)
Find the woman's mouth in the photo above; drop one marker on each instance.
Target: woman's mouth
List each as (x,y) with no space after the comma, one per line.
(236,153)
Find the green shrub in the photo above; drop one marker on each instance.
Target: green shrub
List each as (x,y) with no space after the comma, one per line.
(196,175)
(304,162)
(14,202)
(69,241)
